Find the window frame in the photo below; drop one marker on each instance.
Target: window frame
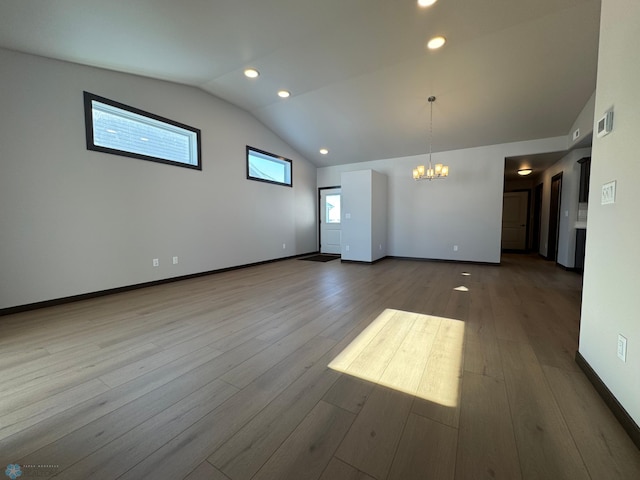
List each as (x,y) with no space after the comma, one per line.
(276,158)
(326,213)
(88,121)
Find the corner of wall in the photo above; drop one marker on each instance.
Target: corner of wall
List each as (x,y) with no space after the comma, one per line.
(582,128)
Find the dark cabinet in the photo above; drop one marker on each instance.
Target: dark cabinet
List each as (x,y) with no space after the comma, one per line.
(585,172)
(583,198)
(581,241)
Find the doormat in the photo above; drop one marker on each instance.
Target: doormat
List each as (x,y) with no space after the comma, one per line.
(320,258)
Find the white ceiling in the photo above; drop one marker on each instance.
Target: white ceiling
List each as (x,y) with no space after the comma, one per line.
(358,70)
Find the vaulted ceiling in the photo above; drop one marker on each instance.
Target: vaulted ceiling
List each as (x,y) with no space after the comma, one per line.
(358,71)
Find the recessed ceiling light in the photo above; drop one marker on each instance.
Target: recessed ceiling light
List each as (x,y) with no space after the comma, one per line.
(284,93)
(426,3)
(251,73)
(324,151)
(524,171)
(436,42)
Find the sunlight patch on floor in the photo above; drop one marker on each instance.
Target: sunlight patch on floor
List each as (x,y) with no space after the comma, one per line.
(416,354)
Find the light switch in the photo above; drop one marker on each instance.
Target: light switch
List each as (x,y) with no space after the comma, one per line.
(622,348)
(608,193)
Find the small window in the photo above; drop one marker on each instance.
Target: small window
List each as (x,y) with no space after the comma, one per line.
(332,203)
(112,127)
(266,167)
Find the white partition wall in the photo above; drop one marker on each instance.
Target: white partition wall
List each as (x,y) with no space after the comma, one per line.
(610,300)
(364,215)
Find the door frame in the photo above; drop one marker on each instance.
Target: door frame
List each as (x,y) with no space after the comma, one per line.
(538,192)
(320,213)
(554,218)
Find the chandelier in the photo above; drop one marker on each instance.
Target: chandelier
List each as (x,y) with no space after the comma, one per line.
(431,172)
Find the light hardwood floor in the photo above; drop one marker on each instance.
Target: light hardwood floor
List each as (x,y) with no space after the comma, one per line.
(226,377)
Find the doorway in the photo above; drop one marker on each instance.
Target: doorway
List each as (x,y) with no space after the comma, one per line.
(554,217)
(515,213)
(537,217)
(330,219)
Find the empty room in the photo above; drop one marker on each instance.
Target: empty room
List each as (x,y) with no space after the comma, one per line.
(330,240)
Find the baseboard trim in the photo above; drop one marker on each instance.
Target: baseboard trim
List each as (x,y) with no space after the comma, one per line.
(440,260)
(570,269)
(629,425)
(127,288)
(362,262)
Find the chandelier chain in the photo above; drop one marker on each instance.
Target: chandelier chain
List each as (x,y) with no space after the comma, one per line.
(431,100)
(431,172)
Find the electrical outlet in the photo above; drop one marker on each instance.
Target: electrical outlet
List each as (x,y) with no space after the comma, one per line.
(455,248)
(156,262)
(175,260)
(622,348)
(284,245)
(347,248)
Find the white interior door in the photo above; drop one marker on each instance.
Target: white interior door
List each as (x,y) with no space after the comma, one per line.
(514,220)
(330,221)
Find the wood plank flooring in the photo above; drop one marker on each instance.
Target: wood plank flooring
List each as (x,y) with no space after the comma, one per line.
(226,377)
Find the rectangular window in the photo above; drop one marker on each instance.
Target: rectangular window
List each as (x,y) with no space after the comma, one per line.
(332,202)
(266,167)
(119,129)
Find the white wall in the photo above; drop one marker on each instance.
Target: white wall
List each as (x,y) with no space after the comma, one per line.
(584,123)
(356,215)
(74,221)
(570,169)
(426,219)
(364,215)
(611,303)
